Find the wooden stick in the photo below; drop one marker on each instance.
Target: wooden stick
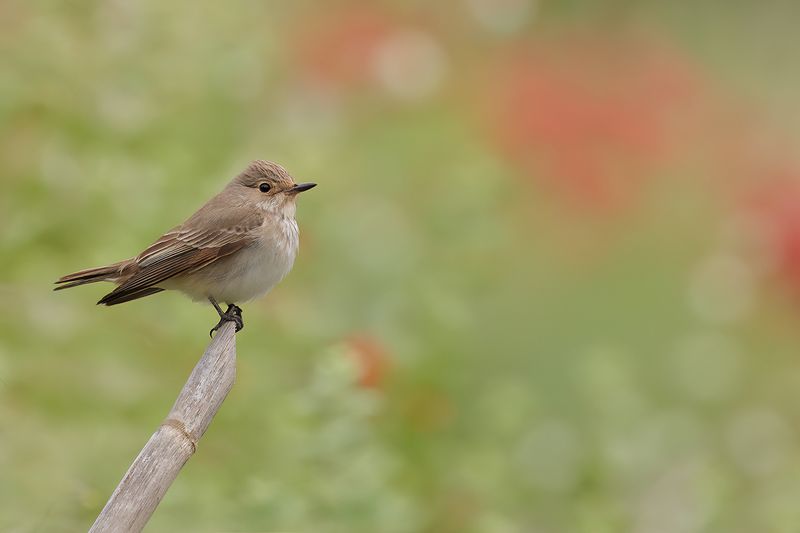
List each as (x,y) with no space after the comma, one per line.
(159,462)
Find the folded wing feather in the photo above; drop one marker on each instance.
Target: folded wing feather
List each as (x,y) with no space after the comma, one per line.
(185,249)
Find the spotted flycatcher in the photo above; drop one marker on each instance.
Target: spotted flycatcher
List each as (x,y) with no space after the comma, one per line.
(235,248)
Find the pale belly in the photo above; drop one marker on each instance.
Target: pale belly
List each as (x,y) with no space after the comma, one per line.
(245,275)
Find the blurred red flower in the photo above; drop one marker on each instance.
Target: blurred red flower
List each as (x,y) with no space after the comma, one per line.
(590,118)
(337,47)
(775,204)
(371,359)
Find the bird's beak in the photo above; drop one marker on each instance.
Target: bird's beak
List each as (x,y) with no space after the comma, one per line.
(300,187)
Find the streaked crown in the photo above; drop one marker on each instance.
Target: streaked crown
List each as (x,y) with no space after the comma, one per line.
(261,170)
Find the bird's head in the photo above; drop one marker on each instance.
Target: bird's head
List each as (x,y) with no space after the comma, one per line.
(268,186)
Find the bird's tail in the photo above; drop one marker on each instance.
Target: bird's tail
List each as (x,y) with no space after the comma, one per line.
(90,275)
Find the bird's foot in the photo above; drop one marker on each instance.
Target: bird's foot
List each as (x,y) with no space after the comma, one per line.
(232,314)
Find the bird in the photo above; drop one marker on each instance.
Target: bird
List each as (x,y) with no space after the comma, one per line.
(235,248)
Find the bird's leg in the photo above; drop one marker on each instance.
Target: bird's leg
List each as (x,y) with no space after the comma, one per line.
(232,314)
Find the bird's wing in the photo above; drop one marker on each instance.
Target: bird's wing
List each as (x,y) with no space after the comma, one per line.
(187,249)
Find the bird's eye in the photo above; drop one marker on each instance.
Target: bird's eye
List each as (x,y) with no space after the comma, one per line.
(264,187)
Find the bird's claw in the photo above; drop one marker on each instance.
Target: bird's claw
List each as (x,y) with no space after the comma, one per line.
(232,314)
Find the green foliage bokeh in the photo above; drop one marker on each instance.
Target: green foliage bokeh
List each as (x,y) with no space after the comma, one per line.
(540,366)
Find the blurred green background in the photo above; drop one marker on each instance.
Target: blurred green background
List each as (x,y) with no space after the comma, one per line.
(549,282)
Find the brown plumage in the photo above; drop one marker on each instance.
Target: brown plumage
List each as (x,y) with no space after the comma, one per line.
(235,247)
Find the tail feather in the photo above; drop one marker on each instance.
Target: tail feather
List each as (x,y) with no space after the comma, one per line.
(90,275)
(114,298)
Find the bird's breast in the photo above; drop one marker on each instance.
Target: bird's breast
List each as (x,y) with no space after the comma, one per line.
(252,271)
(262,265)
